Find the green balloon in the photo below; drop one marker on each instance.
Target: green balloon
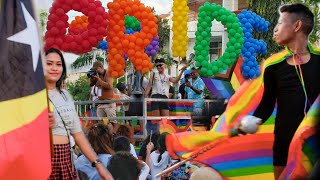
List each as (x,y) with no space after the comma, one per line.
(198,64)
(200,58)
(204,53)
(204,64)
(204,43)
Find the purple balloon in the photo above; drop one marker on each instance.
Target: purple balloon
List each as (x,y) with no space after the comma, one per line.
(154,43)
(157,48)
(153,52)
(125,56)
(149,47)
(156,38)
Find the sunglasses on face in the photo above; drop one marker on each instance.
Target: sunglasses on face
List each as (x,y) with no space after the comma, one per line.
(159,65)
(193,73)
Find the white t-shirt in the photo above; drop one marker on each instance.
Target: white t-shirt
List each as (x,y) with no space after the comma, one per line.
(94,92)
(161,84)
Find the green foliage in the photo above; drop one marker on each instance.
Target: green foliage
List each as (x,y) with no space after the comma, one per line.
(163,32)
(43,19)
(80,89)
(268,9)
(85,59)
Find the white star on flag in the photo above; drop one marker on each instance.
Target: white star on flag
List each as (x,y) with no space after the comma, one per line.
(29,36)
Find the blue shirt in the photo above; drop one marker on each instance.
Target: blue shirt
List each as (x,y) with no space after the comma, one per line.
(83,164)
(197,84)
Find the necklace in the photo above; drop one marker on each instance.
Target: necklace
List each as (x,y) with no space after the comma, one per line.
(162,80)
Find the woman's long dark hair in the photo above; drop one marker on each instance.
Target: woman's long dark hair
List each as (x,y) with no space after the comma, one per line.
(64,72)
(162,145)
(100,138)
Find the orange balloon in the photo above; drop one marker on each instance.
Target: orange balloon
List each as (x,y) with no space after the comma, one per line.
(125,43)
(118,57)
(138,54)
(131,52)
(114,74)
(112,63)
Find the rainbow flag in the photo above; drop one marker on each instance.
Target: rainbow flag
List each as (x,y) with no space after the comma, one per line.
(24,126)
(212,147)
(224,85)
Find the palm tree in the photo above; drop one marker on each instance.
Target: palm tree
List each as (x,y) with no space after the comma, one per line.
(86,59)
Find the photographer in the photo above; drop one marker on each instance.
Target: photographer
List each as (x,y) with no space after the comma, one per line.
(99,77)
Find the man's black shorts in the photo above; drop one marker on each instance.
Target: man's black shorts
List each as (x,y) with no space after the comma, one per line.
(159,105)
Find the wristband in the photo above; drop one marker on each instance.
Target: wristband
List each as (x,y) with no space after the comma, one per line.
(94,163)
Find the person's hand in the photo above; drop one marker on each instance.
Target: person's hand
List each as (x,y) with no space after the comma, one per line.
(95,77)
(239,132)
(51,120)
(150,147)
(188,84)
(184,68)
(103,172)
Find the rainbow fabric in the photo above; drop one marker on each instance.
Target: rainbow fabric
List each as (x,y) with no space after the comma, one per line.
(250,156)
(224,85)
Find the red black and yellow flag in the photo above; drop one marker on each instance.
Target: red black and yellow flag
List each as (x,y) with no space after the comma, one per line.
(24,129)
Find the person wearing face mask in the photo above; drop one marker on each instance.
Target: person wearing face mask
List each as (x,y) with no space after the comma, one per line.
(66,122)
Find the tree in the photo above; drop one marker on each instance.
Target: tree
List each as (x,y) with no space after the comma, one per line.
(86,59)
(163,32)
(43,20)
(80,89)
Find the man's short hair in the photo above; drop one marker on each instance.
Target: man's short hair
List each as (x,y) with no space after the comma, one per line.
(121,143)
(302,13)
(123,166)
(97,64)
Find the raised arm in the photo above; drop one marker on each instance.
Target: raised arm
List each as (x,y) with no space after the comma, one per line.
(176,79)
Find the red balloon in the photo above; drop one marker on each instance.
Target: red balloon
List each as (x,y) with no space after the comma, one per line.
(59,41)
(85,44)
(60,24)
(100,10)
(98,18)
(53,17)
(76,6)
(54,31)
(60,12)
(92,6)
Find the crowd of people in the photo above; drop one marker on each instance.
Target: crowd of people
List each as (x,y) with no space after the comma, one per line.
(107,152)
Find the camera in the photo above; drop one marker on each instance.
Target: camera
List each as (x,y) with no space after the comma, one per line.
(91,72)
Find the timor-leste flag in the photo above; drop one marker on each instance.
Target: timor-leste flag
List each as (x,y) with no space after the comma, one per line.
(24,127)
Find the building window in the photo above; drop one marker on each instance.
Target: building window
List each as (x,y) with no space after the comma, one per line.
(215,48)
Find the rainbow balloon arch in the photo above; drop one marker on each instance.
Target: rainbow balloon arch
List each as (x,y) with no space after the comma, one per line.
(129,30)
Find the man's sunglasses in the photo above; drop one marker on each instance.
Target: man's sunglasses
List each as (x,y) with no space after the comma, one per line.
(159,65)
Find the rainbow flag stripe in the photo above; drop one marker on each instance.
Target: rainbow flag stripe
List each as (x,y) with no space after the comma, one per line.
(250,156)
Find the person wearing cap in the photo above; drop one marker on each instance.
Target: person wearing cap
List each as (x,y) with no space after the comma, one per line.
(194,90)
(159,85)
